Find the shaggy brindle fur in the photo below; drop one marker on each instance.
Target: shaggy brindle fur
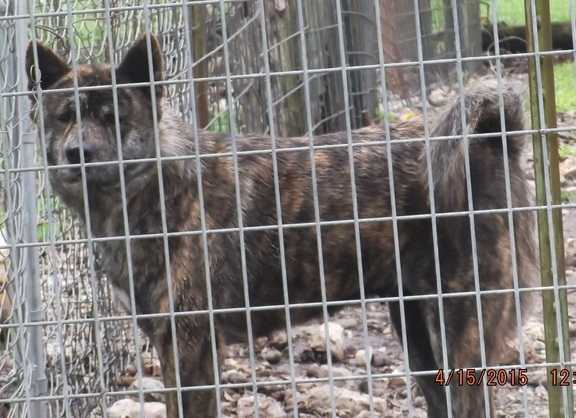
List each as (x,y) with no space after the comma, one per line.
(182,201)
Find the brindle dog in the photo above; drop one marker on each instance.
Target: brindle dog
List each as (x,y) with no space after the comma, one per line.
(200,196)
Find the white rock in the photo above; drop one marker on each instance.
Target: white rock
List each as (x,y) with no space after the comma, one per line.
(318,399)
(267,407)
(154,410)
(235,376)
(323,372)
(128,408)
(438,97)
(316,335)
(279,340)
(380,358)
(149,383)
(271,355)
(360,357)
(150,364)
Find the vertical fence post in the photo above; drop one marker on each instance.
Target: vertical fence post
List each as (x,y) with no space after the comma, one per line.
(31,351)
(546,165)
(197,17)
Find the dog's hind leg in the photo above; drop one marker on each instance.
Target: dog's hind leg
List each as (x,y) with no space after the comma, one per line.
(421,353)
(465,352)
(423,334)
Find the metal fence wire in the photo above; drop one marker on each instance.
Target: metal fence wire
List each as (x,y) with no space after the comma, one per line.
(430,204)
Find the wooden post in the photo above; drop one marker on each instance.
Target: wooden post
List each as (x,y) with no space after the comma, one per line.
(546,145)
(322,51)
(406,26)
(282,21)
(198,41)
(470,32)
(326,91)
(362,46)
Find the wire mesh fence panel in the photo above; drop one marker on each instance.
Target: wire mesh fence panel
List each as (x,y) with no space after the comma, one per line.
(251,208)
(68,294)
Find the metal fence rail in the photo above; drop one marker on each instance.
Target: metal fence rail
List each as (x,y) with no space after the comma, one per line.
(283,68)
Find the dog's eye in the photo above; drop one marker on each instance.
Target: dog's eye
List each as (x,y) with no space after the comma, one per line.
(108,116)
(66,116)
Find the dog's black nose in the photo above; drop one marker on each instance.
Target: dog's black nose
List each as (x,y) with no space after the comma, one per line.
(73,153)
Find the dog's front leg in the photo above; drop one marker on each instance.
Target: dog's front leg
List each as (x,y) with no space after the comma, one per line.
(195,367)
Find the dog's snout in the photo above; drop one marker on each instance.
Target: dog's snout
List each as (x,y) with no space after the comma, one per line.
(73,153)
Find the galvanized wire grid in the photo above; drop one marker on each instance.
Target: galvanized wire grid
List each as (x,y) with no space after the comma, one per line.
(63,342)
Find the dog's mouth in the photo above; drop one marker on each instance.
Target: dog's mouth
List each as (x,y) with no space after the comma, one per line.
(71,175)
(103,177)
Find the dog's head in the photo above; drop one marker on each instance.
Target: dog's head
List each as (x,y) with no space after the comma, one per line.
(92,136)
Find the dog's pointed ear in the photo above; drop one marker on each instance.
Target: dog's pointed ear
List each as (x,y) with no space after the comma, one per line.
(52,67)
(136,66)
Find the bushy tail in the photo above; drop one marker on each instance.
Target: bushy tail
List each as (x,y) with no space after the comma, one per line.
(482,113)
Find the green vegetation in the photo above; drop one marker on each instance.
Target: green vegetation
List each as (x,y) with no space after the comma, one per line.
(566,151)
(512,11)
(509,11)
(220,124)
(89,29)
(565,79)
(380,117)
(568,197)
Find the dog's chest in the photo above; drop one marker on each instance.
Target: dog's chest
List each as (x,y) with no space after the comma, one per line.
(121,299)
(112,262)
(142,268)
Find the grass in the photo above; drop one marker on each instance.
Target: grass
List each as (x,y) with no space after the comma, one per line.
(512,11)
(568,197)
(566,151)
(565,79)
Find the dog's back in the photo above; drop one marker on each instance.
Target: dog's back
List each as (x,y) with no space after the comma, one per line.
(324,217)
